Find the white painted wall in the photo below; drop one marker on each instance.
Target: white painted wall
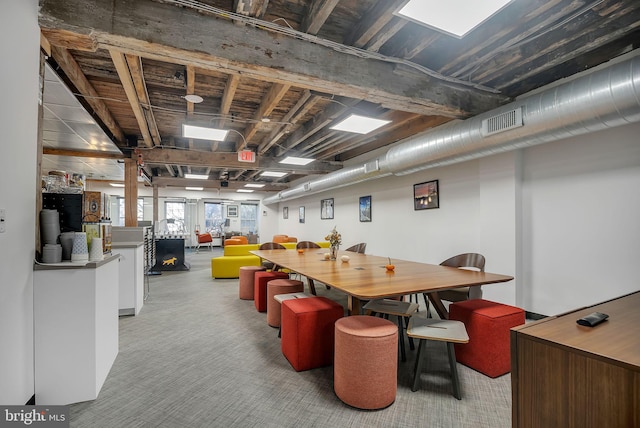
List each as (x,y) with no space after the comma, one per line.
(562,218)
(581,220)
(18,121)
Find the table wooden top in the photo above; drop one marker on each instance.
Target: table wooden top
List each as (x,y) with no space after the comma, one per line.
(615,339)
(365,276)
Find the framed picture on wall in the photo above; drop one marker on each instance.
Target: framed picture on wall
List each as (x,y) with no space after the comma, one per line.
(232,211)
(326,209)
(285,213)
(364,208)
(426,195)
(301,214)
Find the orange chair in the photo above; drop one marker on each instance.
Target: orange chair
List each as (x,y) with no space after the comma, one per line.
(204,238)
(279,239)
(236,240)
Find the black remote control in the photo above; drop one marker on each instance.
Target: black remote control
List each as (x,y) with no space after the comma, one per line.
(593,319)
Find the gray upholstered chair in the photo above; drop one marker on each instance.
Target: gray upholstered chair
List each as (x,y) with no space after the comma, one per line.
(358,248)
(271,246)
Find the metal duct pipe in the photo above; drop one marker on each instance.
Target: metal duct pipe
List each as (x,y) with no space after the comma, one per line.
(603,99)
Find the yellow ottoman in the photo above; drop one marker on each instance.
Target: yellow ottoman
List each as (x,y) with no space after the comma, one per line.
(229,266)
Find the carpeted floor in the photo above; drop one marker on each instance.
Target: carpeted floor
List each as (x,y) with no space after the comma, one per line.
(197,356)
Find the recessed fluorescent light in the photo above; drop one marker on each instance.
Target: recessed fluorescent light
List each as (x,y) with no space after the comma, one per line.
(292,160)
(244,191)
(360,124)
(273,174)
(197,176)
(194,188)
(456,17)
(257,186)
(116,184)
(202,133)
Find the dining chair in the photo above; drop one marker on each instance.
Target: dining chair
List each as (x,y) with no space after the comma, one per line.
(448,331)
(271,246)
(401,310)
(358,248)
(307,244)
(462,261)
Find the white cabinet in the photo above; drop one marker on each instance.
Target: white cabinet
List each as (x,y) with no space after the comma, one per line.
(76,329)
(131,296)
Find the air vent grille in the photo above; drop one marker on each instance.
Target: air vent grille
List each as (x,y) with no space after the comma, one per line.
(502,122)
(372,166)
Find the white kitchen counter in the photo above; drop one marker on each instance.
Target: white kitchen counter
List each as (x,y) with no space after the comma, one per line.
(76,329)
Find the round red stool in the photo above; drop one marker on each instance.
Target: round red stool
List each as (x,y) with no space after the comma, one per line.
(365,367)
(246,277)
(260,287)
(275,287)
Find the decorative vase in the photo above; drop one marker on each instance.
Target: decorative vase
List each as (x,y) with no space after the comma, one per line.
(333,251)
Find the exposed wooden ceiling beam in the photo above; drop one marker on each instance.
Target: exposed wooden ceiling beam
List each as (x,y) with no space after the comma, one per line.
(388,31)
(269,102)
(124,74)
(137,76)
(82,153)
(372,23)
(214,43)
(227,160)
(74,73)
(211,184)
(191,90)
(318,12)
(300,135)
(254,8)
(305,102)
(227,98)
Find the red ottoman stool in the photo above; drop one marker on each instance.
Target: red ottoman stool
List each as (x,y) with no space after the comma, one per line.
(275,287)
(365,369)
(260,281)
(246,277)
(307,331)
(488,324)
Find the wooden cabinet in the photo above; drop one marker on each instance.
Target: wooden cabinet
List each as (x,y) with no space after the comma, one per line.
(567,375)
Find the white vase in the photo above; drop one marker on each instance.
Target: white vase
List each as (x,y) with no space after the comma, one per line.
(80,251)
(95,252)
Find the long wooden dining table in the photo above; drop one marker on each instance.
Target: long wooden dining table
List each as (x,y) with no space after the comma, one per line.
(364,276)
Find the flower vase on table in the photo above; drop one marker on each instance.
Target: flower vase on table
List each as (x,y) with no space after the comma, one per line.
(335,239)
(333,252)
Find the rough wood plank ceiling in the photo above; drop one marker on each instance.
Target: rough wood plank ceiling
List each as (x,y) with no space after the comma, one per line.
(279,73)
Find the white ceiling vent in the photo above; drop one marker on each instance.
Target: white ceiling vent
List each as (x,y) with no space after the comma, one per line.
(372,166)
(502,122)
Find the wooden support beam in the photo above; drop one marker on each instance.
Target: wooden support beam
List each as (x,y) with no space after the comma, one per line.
(82,153)
(137,76)
(76,76)
(372,23)
(130,193)
(122,68)
(140,27)
(227,97)
(318,12)
(269,102)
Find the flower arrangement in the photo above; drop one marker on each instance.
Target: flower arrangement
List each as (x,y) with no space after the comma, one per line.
(334,237)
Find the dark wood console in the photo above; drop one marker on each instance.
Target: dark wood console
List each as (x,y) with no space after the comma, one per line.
(567,375)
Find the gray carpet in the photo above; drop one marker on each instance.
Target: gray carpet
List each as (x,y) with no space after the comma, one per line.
(197,356)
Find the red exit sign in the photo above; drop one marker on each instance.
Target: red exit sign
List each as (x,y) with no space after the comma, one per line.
(246,156)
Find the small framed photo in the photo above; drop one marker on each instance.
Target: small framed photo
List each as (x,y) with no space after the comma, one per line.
(426,195)
(326,209)
(301,214)
(365,208)
(285,213)
(232,211)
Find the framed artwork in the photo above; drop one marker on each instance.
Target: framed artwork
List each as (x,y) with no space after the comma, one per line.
(301,214)
(365,208)
(285,213)
(426,195)
(232,211)
(326,209)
